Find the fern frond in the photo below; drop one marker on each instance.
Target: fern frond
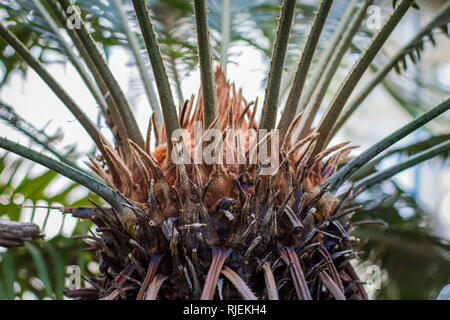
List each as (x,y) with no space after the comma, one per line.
(412,49)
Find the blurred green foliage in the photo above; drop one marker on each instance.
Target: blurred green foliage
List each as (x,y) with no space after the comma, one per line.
(40,266)
(416,263)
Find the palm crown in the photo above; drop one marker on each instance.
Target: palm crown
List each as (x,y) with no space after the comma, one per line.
(174,228)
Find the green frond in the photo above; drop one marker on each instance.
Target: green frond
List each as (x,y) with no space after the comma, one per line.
(290,108)
(8,115)
(351,167)
(225,32)
(73,57)
(115,122)
(111,196)
(412,49)
(169,111)
(331,69)
(410,150)
(210,109)
(136,50)
(390,172)
(325,56)
(272,95)
(335,108)
(21,50)
(110,81)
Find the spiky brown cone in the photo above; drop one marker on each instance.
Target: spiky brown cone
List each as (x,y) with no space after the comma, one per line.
(223,230)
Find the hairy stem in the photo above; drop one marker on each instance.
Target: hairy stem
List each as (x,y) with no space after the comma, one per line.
(105,96)
(295,93)
(341,97)
(351,167)
(176,78)
(25,54)
(210,109)
(331,69)
(74,59)
(111,196)
(412,161)
(110,81)
(272,95)
(440,20)
(8,114)
(169,111)
(135,49)
(325,57)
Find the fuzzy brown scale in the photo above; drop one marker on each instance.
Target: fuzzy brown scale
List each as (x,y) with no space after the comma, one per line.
(187,223)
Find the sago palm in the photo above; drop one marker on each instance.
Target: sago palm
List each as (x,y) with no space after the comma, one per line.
(226,229)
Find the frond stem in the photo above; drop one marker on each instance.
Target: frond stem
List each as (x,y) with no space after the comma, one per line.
(295,93)
(7,114)
(410,162)
(136,51)
(117,125)
(74,59)
(325,57)
(439,20)
(334,109)
(225,32)
(169,110)
(25,54)
(351,167)
(110,81)
(111,196)
(331,69)
(208,84)
(272,95)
